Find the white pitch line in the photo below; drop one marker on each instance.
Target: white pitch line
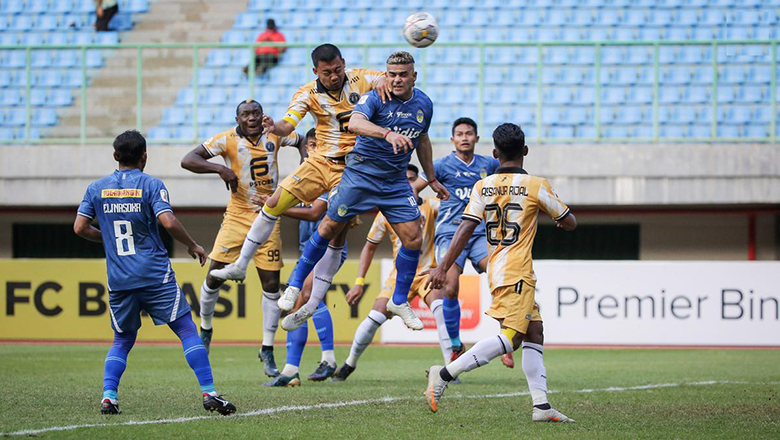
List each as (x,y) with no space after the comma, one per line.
(342,404)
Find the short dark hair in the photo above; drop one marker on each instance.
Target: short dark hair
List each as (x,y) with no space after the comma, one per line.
(129,147)
(248,101)
(325,52)
(464,120)
(509,140)
(413,168)
(312,133)
(270,24)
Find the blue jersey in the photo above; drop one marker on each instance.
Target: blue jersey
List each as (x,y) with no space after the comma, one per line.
(459,178)
(126,204)
(410,118)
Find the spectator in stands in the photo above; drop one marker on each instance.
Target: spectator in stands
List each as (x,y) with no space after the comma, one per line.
(265,56)
(106,9)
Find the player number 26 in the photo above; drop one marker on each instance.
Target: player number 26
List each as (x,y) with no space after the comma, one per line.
(506,220)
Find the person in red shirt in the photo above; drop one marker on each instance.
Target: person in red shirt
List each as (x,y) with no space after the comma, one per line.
(266,56)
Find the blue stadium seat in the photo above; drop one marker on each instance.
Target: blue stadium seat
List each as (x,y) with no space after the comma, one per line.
(136,6)
(44,117)
(219,58)
(47,22)
(205,115)
(11,6)
(37,6)
(60,97)
(185,96)
(728,131)
(158,133)
(613,95)
(230,77)
(107,38)
(753,94)
(174,116)
(11,98)
(206,77)
(14,117)
(248,20)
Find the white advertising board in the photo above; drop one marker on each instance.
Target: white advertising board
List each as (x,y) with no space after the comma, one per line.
(630,302)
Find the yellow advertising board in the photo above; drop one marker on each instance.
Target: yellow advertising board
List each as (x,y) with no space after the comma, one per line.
(67,300)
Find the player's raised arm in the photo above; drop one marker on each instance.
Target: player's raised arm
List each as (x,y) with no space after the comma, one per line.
(177,231)
(425,154)
(197,161)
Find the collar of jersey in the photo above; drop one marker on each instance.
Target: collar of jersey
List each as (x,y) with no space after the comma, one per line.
(473,158)
(131,170)
(516,170)
(321,88)
(414,91)
(240,134)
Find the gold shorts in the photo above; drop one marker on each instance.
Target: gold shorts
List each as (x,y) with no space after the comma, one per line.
(315,176)
(516,305)
(417,289)
(235,226)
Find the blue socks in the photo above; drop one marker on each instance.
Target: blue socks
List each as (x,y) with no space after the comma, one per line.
(296,341)
(312,253)
(451,309)
(194,351)
(116,362)
(406,269)
(324,325)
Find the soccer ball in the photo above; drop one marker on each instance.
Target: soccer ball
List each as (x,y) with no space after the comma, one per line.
(421,29)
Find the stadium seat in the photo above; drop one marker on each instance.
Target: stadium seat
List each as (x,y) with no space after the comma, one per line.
(11,98)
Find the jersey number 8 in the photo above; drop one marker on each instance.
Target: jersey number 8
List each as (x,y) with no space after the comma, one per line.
(125,245)
(506,220)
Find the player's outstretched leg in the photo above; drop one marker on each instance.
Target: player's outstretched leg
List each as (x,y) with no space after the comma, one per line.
(116,362)
(406,268)
(198,359)
(271,315)
(314,250)
(363,337)
(323,323)
(208,300)
(296,342)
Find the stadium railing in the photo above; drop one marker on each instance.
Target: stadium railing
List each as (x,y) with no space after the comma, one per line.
(423,69)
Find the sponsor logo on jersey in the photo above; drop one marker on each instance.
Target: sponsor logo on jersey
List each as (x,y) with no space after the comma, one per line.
(121,193)
(164,196)
(270,146)
(420,116)
(354,98)
(343,210)
(482,173)
(363,99)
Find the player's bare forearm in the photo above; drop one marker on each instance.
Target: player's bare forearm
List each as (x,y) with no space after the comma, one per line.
(425,155)
(568,223)
(361,126)
(197,162)
(366,257)
(82,226)
(176,229)
(282,128)
(305,214)
(419,185)
(302,147)
(459,242)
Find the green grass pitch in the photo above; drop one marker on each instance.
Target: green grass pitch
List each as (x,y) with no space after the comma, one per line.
(611,393)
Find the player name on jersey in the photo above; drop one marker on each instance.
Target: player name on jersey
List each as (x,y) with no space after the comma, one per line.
(504,190)
(113,208)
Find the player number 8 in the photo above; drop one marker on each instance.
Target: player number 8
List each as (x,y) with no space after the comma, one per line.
(126,236)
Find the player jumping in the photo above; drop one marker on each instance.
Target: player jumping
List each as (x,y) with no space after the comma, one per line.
(458,172)
(250,169)
(375,177)
(331,99)
(378,315)
(509,202)
(127,205)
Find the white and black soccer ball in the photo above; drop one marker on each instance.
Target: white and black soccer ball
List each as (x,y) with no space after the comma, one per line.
(421,29)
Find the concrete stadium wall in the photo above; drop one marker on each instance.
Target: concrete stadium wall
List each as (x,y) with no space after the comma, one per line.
(584,175)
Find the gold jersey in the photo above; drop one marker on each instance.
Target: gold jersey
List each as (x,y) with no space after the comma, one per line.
(332,110)
(509,201)
(428,212)
(255,164)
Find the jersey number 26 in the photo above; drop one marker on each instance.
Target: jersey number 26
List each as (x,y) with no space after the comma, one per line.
(506,219)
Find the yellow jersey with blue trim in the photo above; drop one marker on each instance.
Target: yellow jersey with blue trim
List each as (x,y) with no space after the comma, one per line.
(332,110)
(509,202)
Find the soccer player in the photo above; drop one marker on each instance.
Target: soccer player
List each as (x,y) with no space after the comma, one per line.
(458,172)
(378,315)
(330,99)
(509,202)
(127,205)
(251,168)
(375,177)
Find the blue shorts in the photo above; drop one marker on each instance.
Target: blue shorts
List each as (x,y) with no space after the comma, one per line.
(358,193)
(476,250)
(165,303)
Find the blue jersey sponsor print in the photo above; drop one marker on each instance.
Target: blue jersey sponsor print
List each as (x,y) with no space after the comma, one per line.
(411,118)
(126,205)
(459,178)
